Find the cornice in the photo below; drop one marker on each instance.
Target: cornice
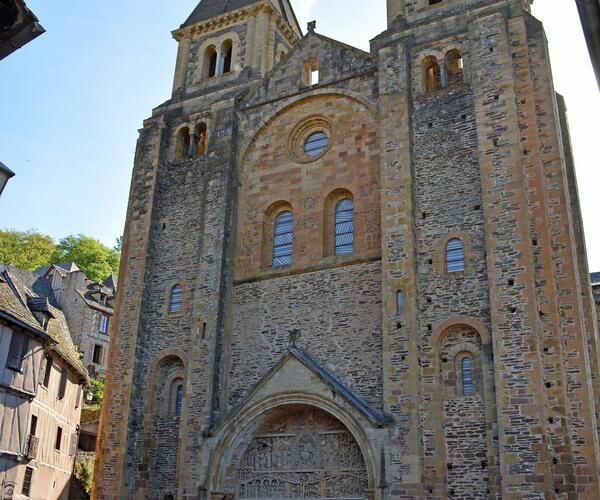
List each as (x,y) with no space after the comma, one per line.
(235,17)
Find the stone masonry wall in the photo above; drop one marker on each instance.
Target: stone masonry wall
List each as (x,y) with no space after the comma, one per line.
(339,313)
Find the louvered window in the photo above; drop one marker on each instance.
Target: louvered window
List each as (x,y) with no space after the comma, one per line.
(283,238)
(467,376)
(27,479)
(455,256)
(178,400)
(19,345)
(344,227)
(176,303)
(316,144)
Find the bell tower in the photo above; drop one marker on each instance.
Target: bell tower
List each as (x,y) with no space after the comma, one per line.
(221,40)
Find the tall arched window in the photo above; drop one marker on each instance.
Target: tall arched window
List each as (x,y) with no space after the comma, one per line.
(283,237)
(178,400)
(183,143)
(455,256)
(176,299)
(431,74)
(466,368)
(227,54)
(344,227)
(200,134)
(454,67)
(210,62)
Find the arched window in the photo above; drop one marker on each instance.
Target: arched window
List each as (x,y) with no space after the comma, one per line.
(176,299)
(210,62)
(399,303)
(310,72)
(454,67)
(227,54)
(200,134)
(178,400)
(183,143)
(344,227)
(466,368)
(283,237)
(455,256)
(431,75)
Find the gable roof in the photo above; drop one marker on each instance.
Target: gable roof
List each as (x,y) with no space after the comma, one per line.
(18,304)
(207,9)
(326,377)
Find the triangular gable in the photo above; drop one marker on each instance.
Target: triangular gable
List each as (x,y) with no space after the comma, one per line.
(337,61)
(297,371)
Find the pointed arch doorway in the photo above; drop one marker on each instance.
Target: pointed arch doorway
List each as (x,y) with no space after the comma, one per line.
(302,452)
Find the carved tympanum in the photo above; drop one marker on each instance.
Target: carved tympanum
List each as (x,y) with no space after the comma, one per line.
(302,454)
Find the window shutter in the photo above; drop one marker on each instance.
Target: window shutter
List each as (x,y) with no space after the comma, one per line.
(62,386)
(19,344)
(73,444)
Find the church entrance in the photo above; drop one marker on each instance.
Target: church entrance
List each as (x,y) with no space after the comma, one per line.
(302,453)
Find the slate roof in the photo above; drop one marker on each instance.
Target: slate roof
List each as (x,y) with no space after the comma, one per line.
(39,285)
(15,301)
(207,9)
(595,278)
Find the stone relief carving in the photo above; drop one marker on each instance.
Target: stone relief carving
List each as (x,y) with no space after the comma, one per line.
(306,454)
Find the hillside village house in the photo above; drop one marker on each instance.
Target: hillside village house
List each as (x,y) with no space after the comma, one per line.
(88,307)
(41,385)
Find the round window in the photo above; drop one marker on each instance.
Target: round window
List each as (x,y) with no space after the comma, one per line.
(316,144)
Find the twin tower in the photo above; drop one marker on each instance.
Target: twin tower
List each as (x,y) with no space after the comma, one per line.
(354,275)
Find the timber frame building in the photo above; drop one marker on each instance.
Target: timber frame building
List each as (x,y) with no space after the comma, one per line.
(354,275)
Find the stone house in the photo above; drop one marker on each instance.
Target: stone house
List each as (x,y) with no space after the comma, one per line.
(88,307)
(41,385)
(353,274)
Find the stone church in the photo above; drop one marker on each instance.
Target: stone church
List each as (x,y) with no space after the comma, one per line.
(354,275)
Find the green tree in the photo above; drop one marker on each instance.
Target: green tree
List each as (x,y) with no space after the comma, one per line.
(26,250)
(92,257)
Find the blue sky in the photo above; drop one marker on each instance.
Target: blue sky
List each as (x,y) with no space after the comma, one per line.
(72,101)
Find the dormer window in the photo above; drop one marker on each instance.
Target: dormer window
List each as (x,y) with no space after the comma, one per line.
(40,308)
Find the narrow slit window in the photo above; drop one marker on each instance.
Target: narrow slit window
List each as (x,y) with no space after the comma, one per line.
(283,238)
(227,51)
(467,376)
(176,299)
(399,303)
(344,227)
(455,256)
(178,400)
(58,441)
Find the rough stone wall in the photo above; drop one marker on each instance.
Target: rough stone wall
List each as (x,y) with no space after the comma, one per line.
(339,313)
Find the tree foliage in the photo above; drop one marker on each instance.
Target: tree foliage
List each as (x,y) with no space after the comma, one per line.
(92,257)
(26,250)
(84,471)
(30,250)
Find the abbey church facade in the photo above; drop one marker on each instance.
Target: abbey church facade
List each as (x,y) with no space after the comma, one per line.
(354,275)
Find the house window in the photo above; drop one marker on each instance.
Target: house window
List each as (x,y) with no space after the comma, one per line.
(183,143)
(104,324)
(178,400)
(283,237)
(344,227)
(33,425)
(62,386)
(210,61)
(176,299)
(97,356)
(455,256)
(200,134)
(310,72)
(58,442)
(467,376)
(27,479)
(47,372)
(19,345)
